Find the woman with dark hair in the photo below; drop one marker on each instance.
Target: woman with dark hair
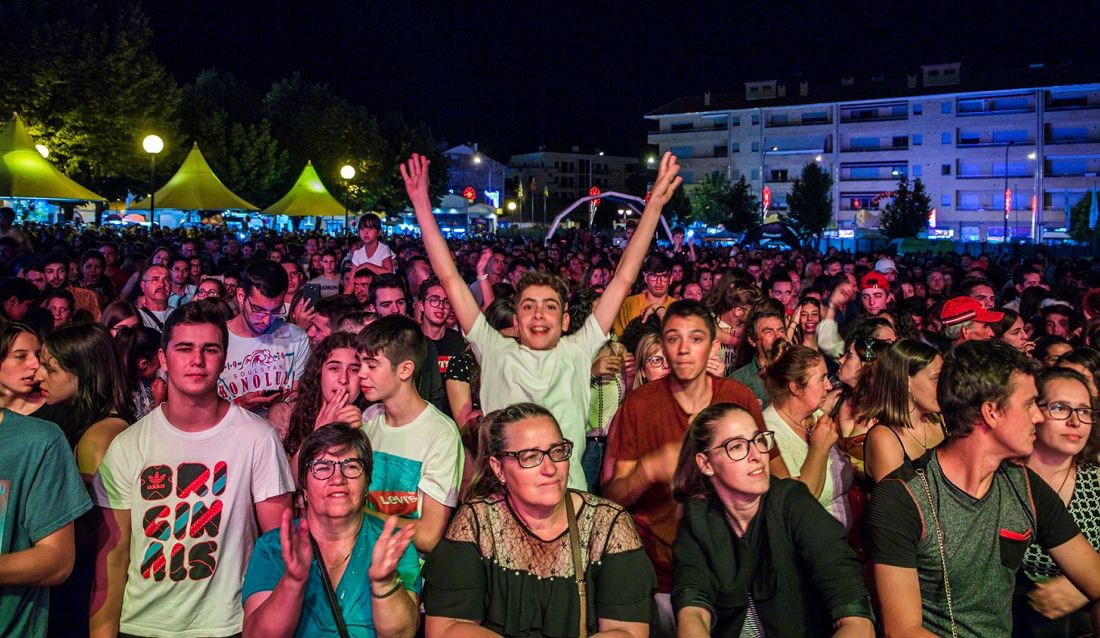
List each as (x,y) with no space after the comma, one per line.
(1049,348)
(899,403)
(210,288)
(119,314)
(81,371)
(1012,330)
(798,382)
(730,299)
(19,346)
(1085,361)
(328,392)
(1046,603)
(744,534)
(92,268)
(137,352)
(517,547)
(334,570)
(803,325)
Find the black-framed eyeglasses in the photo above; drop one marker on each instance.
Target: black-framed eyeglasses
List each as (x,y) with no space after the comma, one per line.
(438,302)
(658,275)
(323,469)
(657,360)
(558,453)
(1061,411)
(737,448)
(274,314)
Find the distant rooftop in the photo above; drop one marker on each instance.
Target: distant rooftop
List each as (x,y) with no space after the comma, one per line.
(931,80)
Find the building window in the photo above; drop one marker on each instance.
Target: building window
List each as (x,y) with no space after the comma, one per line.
(756,147)
(917,170)
(780,119)
(720,150)
(945,107)
(945,201)
(899,141)
(918,139)
(682,126)
(918,109)
(945,137)
(687,175)
(736,120)
(681,151)
(755,119)
(735,147)
(945,169)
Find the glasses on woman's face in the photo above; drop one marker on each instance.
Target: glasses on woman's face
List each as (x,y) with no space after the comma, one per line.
(737,448)
(656,361)
(438,302)
(533,457)
(323,469)
(206,294)
(1061,412)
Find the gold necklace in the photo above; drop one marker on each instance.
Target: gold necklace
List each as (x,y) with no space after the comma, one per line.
(808,429)
(337,563)
(1072,467)
(914,437)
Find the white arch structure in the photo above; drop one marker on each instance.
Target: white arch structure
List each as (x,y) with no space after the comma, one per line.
(631,201)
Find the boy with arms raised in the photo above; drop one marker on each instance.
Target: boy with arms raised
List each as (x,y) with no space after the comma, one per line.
(417,449)
(543,367)
(182,491)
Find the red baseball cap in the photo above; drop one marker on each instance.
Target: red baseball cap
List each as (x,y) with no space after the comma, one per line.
(962,309)
(874,280)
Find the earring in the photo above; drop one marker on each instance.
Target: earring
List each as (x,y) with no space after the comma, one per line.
(708,472)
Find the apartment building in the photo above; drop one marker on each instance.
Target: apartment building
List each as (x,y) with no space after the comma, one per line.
(967,137)
(470,168)
(569,175)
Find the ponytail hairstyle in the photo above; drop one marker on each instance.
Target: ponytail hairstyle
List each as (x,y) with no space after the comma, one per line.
(688,482)
(491,443)
(792,366)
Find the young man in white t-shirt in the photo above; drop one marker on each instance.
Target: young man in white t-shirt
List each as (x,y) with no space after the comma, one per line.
(543,367)
(417,449)
(182,491)
(374,254)
(267,355)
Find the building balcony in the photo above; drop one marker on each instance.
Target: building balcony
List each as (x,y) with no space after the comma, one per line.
(1095,139)
(797,123)
(991,144)
(688,131)
(873,118)
(997,176)
(874,149)
(1030,109)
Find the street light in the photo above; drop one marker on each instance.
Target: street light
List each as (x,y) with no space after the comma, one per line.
(42,150)
(152,145)
(1036,202)
(1008,202)
(347,171)
(651,160)
(764,180)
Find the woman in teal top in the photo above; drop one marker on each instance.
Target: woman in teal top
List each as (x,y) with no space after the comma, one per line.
(371,568)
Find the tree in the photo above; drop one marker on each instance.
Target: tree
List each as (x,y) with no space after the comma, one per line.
(907,214)
(1078,221)
(82,75)
(811,201)
(717,202)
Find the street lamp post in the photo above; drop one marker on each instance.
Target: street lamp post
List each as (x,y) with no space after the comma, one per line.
(1036,200)
(1008,202)
(347,171)
(152,145)
(764,180)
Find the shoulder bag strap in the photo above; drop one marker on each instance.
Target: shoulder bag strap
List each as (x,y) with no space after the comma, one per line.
(156,320)
(330,594)
(943,555)
(578,563)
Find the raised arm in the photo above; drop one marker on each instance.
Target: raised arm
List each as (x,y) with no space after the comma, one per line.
(415,174)
(635,252)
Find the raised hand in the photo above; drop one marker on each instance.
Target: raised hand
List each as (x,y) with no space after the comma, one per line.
(387,551)
(483,261)
(336,409)
(667,180)
(415,174)
(297,551)
(824,434)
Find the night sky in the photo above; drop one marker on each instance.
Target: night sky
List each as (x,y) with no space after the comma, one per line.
(516,75)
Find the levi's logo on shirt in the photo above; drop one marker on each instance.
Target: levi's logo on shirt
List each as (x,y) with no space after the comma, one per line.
(181,536)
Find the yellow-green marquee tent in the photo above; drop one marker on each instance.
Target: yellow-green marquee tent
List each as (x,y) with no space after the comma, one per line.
(307,198)
(25,174)
(195,187)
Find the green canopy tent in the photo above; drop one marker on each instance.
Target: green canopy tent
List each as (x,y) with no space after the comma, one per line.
(308,197)
(25,174)
(195,187)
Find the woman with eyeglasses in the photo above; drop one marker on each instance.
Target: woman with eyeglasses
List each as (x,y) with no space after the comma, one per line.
(650,362)
(900,405)
(210,289)
(334,567)
(755,555)
(509,560)
(1065,455)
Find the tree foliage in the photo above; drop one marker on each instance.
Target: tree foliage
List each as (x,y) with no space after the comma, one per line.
(715,201)
(82,75)
(810,202)
(907,214)
(1079,228)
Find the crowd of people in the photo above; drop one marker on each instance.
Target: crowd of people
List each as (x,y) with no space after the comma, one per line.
(205,435)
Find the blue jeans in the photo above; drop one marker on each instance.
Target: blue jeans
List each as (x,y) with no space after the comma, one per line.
(592,461)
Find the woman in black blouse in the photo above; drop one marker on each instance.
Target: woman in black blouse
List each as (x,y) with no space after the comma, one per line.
(506,565)
(756,555)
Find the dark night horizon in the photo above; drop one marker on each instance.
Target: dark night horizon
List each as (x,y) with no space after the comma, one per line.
(513,77)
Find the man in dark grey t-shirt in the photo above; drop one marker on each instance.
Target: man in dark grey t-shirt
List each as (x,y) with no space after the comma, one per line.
(967,507)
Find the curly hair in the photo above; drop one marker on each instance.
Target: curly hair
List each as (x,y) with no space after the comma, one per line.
(309,391)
